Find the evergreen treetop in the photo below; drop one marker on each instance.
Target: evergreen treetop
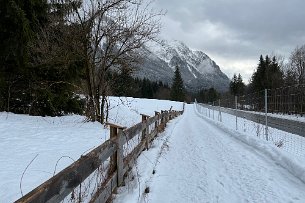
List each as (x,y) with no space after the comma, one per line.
(268,74)
(177,90)
(237,86)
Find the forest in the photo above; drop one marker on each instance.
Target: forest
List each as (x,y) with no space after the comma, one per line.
(60,56)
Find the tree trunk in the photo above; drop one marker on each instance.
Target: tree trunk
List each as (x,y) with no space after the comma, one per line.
(104,99)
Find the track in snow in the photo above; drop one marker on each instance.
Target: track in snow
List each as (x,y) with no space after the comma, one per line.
(206,164)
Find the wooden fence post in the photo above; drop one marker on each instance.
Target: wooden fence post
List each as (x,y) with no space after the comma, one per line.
(120,157)
(146,130)
(163,117)
(157,121)
(162,124)
(167,116)
(113,158)
(116,160)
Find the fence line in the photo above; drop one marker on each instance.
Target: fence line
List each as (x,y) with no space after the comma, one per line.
(284,133)
(61,185)
(291,126)
(285,100)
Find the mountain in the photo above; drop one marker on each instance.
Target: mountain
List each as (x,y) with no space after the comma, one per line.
(197,69)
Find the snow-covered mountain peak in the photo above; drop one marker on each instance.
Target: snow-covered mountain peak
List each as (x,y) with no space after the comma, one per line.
(197,69)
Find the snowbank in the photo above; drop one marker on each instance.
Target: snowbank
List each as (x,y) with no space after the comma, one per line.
(293,165)
(58,141)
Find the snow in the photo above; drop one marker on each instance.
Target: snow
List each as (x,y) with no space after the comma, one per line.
(191,71)
(284,116)
(293,144)
(58,141)
(206,67)
(23,137)
(294,117)
(166,50)
(201,160)
(196,159)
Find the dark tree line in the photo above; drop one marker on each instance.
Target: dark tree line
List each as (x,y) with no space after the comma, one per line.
(52,51)
(283,79)
(124,84)
(268,74)
(36,77)
(273,72)
(207,95)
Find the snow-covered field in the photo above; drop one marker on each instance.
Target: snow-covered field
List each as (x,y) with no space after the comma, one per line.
(52,143)
(196,159)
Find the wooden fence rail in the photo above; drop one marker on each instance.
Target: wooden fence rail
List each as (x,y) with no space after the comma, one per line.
(61,185)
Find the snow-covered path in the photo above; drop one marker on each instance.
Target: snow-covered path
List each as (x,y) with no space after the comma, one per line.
(207,164)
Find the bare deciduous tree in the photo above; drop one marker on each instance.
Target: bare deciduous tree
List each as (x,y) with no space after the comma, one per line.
(297,64)
(112,31)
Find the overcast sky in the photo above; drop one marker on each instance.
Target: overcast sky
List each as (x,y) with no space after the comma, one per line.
(234,33)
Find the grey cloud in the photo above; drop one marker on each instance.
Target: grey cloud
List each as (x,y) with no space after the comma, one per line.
(236,29)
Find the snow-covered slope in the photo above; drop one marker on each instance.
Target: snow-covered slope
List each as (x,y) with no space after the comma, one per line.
(195,159)
(197,69)
(52,143)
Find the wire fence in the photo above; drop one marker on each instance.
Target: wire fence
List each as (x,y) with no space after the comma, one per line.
(292,143)
(285,100)
(276,115)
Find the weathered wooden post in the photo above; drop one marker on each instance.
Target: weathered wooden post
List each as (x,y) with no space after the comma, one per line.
(116,160)
(157,120)
(120,156)
(165,118)
(146,129)
(161,125)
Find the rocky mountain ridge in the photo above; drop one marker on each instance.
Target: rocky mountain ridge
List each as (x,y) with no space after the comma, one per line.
(197,69)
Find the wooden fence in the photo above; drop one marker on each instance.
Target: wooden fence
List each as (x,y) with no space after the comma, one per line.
(61,185)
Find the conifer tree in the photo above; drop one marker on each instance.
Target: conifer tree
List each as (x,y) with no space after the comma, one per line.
(19,22)
(268,74)
(38,75)
(177,90)
(237,85)
(241,85)
(233,85)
